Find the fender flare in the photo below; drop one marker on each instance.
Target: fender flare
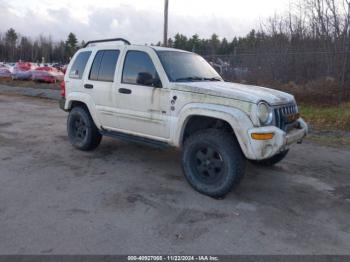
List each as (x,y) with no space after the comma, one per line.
(236,118)
(87,100)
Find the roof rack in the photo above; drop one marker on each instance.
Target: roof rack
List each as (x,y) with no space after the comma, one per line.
(107,40)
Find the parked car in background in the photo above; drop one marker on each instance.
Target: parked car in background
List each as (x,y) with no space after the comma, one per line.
(22,71)
(64,69)
(33,71)
(47,74)
(5,72)
(6,67)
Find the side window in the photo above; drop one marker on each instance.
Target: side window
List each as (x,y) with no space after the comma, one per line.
(78,67)
(139,70)
(104,65)
(96,66)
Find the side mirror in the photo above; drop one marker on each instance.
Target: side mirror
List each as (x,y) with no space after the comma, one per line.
(145,78)
(156,82)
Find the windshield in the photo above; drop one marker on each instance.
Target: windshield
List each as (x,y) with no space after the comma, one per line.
(185,67)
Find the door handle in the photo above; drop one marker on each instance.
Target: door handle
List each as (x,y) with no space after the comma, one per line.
(88,86)
(125,91)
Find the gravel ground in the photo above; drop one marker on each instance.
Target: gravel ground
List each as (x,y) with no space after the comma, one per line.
(31,91)
(125,198)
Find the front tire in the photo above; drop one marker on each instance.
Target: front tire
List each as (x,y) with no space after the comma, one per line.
(82,131)
(213,162)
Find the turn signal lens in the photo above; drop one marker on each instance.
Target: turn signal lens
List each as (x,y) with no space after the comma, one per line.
(262,136)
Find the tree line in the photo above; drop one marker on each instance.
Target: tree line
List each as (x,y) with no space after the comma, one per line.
(14,47)
(310,41)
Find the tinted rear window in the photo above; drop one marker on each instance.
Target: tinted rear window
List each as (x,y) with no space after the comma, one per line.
(96,66)
(104,65)
(78,67)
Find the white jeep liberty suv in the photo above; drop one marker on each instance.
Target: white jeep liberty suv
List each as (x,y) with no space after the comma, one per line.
(169,97)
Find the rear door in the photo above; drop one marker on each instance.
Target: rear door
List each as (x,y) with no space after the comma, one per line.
(99,83)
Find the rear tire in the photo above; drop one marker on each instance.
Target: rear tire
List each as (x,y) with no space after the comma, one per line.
(213,162)
(272,160)
(82,131)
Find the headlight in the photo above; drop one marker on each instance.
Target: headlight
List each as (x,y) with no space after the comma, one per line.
(265,113)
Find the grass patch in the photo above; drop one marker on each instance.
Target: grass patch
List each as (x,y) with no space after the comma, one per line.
(332,141)
(327,118)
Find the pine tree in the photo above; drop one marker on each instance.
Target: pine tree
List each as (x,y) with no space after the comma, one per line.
(71,45)
(11,40)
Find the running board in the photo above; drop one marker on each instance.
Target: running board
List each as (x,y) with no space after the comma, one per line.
(135,139)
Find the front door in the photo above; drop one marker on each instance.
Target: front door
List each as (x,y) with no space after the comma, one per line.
(142,102)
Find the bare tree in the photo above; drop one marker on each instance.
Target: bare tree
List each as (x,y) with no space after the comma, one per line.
(346,44)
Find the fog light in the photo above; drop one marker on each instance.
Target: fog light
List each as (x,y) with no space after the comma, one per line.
(262,136)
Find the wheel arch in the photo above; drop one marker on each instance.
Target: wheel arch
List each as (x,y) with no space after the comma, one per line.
(79,99)
(227,117)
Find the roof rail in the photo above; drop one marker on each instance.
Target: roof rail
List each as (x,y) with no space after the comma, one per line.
(107,40)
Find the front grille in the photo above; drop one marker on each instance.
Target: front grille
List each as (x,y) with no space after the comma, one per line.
(286,116)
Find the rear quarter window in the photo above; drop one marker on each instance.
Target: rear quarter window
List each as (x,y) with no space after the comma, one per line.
(79,64)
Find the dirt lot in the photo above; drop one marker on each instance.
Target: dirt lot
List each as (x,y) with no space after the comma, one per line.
(126,198)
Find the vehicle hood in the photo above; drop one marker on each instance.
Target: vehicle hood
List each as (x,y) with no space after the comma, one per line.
(248,93)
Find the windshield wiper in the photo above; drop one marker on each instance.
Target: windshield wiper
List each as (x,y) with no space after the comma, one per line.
(212,79)
(190,78)
(197,78)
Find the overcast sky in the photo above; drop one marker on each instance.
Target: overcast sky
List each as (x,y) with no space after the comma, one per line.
(140,21)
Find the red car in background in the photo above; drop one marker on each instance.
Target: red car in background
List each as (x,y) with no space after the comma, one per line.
(23,71)
(47,74)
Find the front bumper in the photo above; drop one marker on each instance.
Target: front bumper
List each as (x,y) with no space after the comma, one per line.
(281,141)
